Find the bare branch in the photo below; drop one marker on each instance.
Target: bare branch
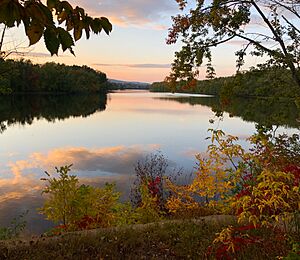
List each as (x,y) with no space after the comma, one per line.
(292,10)
(291,24)
(2,39)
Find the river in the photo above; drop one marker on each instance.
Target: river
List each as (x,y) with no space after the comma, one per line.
(104,137)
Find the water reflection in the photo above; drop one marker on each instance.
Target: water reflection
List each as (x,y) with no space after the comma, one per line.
(266,112)
(21,189)
(103,147)
(23,109)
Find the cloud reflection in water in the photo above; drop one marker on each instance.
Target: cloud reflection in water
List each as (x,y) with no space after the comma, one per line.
(22,190)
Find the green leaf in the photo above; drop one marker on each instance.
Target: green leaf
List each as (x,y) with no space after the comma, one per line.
(78,30)
(77,33)
(87,32)
(34,12)
(67,6)
(107,26)
(10,12)
(80,11)
(62,17)
(34,32)
(47,15)
(51,41)
(87,25)
(52,3)
(65,38)
(96,25)
(69,25)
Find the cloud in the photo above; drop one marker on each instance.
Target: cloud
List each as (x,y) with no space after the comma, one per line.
(152,13)
(21,183)
(109,162)
(114,160)
(190,152)
(141,66)
(21,190)
(35,54)
(237,42)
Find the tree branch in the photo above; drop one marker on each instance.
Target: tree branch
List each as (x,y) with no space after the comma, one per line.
(287,57)
(2,39)
(256,43)
(288,8)
(291,24)
(220,42)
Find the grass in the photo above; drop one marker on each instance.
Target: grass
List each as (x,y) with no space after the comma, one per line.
(165,240)
(185,239)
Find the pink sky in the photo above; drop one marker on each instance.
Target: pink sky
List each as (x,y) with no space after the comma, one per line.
(136,49)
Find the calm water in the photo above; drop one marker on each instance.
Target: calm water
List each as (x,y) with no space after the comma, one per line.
(104,137)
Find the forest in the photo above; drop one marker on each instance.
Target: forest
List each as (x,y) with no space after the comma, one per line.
(22,76)
(257,82)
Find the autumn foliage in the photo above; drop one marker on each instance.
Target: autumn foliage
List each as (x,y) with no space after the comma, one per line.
(259,185)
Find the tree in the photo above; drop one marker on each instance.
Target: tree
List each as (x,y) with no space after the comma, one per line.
(38,20)
(212,23)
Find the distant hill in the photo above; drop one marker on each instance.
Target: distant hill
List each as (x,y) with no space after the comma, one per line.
(120,84)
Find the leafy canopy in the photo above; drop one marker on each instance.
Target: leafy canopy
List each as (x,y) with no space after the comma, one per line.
(212,23)
(39,20)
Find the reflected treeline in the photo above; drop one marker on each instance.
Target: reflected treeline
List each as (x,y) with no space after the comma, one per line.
(263,111)
(23,109)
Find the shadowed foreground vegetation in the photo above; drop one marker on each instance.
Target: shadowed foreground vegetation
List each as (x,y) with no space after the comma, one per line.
(166,240)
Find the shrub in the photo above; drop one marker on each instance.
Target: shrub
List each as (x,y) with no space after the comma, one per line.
(150,182)
(150,175)
(78,206)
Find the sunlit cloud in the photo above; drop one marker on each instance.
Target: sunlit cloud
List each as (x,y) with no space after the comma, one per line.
(21,187)
(190,152)
(141,13)
(20,184)
(91,164)
(35,54)
(114,160)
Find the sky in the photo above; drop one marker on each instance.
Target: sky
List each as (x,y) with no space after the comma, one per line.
(136,50)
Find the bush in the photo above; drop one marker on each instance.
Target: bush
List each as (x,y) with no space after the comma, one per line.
(78,206)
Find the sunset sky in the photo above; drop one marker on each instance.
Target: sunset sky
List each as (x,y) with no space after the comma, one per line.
(136,49)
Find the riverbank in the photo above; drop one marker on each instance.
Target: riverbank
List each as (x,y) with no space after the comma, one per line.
(181,239)
(265,83)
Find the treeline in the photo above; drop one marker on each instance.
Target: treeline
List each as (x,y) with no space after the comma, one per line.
(263,82)
(120,85)
(22,76)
